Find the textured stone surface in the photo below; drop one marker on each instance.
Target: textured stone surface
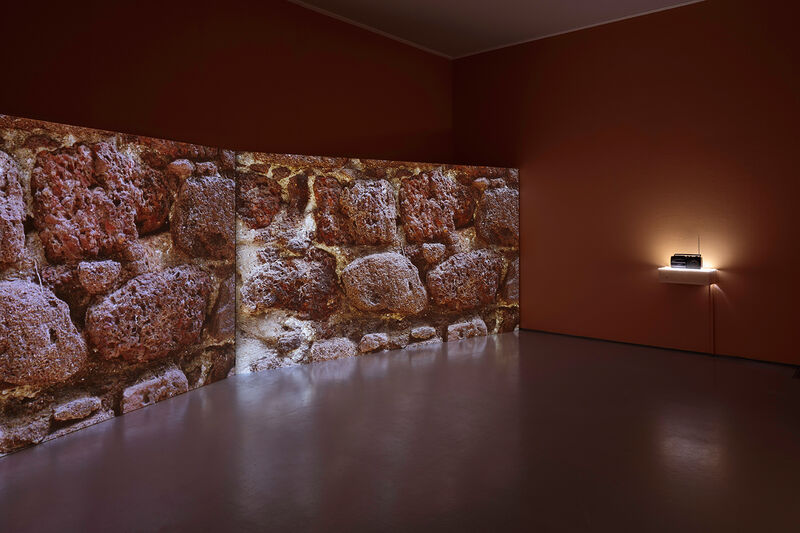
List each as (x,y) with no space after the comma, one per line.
(206,168)
(328,349)
(77,409)
(386,226)
(372,342)
(77,216)
(259,199)
(16,434)
(369,206)
(100,205)
(507,319)
(222,323)
(307,285)
(39,345)
(427,205)
(270,360)
(161,386)
(332,223)
(160,152)
(298,192)
(12,211)
(463,330)
(467,280)
(221,360)
(433,205)
(384,282)
(423,332)
(290,341)
(481,184)
(497,217)
(138,186)
(511,287)
(203,218)
(96,418)
(464,207)
(150,316)
(98,277)
(433,253)
(177,172)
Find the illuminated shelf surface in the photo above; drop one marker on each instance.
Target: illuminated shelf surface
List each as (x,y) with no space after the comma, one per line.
(688,276)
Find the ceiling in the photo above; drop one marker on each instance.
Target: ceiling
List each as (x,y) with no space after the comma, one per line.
(457,28)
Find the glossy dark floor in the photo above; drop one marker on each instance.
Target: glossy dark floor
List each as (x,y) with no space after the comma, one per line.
(537,432)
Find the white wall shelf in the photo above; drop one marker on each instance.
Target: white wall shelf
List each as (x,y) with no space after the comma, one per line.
(688,276)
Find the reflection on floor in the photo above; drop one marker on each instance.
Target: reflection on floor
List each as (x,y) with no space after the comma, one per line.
(520,431)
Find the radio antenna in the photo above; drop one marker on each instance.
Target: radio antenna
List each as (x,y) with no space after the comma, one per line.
(698,245)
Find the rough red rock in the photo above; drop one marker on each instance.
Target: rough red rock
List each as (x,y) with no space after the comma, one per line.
(12,211)
(151,316)
(507,319)
(77,408)
(177,172)
(18,433)
(329,349)
(384,282)
(223,316)
(259,199)
(222,360)
(159,153)
(369,168)
(77,216)
(206,168)
(137,186)
(38,140)
(63,281)
(511,287)
(332,224)
(432,205)
(369,206)
(161,386)
(39,345)
(372,342)
(464,207)
(298,192)
(98,277)
(433,252)
(466,280)
(463,330)
(280,172)
(304,284)
(423,332)
(497,217)
(481,184)
(203,218)
(227,160)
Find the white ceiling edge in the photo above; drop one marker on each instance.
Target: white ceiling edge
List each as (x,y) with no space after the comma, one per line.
(393,37)
(369,28)
(572,30)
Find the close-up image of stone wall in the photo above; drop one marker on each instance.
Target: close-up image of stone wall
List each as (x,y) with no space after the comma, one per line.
(116,275)
(341,257)
(134,269)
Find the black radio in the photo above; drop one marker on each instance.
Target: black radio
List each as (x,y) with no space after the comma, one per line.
(686,261)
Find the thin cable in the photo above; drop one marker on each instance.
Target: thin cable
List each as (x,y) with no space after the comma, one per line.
(712,320)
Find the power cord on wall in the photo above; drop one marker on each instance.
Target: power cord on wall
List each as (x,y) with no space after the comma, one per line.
(712,320)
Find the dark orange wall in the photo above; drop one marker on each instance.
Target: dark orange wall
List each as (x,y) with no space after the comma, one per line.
(252,75)
(634,137)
